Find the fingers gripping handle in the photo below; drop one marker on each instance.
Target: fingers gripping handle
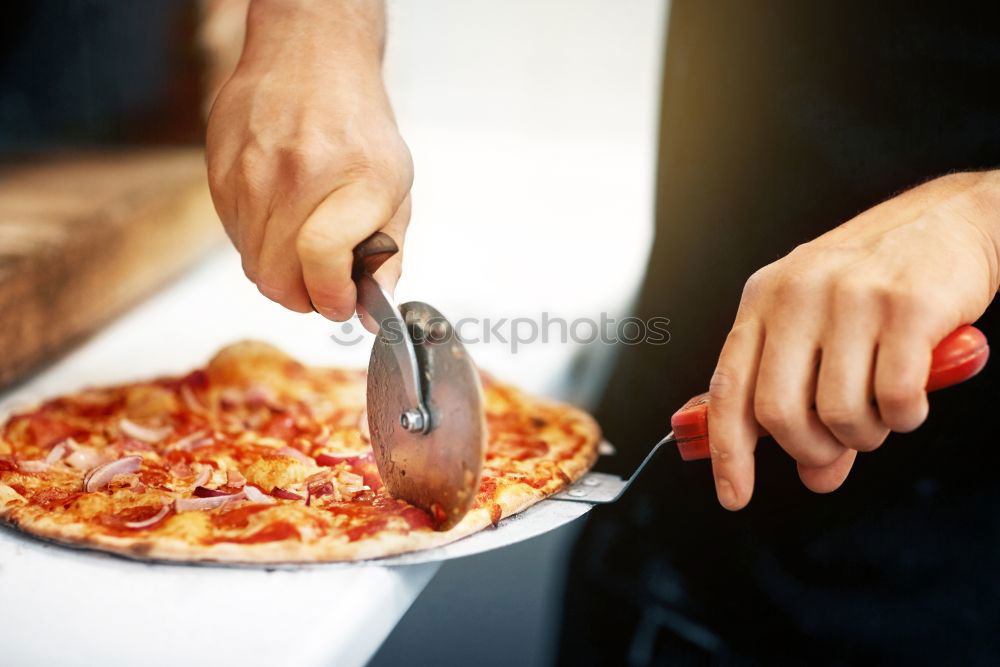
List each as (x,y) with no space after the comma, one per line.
(958,357)
(372,253)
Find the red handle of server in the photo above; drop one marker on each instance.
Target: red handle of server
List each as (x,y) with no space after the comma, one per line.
(958,357)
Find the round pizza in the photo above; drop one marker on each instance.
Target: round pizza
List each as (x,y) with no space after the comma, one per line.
(257,459)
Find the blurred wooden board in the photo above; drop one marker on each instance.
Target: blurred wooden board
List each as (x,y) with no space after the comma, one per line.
(82,237)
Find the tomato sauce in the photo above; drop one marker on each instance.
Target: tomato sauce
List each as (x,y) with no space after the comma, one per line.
(276,532)
(50,499)
(117,521)
(237,518)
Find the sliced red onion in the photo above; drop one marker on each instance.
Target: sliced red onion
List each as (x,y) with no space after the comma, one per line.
(210,503)
(151,521)
(36,465)
(203,476)
(297,455)
(339,457)
(59,451)
(191,441)
(230,396)
(255,495)
(205,492)
(85,458)
(263,395)
(192,401)
(143,433)
(320,490)
(235,478)
(99,477)
(279,492)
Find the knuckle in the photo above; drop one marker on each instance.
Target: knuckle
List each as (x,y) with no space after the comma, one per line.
(720,454)
(249,176)
(724,384)
(797,283)
(303,155)
(905,302)
(318,240)
(756,284)
(851,292)
(249,269)
(899,396)
(839,415)
(773,414)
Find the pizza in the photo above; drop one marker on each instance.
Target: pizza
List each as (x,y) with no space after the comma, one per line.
(257,458)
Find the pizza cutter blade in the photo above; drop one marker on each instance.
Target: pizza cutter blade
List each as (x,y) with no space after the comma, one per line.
(425,401)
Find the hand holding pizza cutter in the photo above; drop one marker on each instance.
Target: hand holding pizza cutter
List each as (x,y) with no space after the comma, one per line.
(958,357)
(425,402)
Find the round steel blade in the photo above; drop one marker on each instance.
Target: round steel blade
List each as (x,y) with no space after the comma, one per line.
(438,470)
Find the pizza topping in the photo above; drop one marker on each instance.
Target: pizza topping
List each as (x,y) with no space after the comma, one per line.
(54,456)
(235,478)
(204,492)
(33,466)
(280,471)
(142,433)
(278,492)
(141,524)
(204,474)
(210,503)
(99,477)
(191,441)
(255,495)
(59,451)
(276,532)
(281,426)
(192,402)
(321,489)
(84,458)
(145,401)
(260,395)
(51,498)
(334,458)
(238,517)
(47,431)
(296,454)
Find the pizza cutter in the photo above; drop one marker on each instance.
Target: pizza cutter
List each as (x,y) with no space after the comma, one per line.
(958,357)
(425,401)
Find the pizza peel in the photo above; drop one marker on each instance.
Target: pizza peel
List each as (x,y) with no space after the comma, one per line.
(961,355)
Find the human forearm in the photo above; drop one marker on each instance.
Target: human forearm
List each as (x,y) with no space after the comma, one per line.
(339,32)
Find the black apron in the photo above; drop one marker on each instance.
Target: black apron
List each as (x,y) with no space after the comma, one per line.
(780,120)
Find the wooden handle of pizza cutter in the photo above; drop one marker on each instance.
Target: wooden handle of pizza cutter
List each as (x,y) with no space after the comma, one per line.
(958,357)
(372,253)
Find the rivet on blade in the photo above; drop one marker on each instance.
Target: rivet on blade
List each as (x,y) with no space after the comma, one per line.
(412,421)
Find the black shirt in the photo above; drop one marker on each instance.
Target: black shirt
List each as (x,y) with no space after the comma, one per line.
(781,120)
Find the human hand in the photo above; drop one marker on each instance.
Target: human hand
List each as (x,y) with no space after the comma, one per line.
(304,157)
(831,346)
